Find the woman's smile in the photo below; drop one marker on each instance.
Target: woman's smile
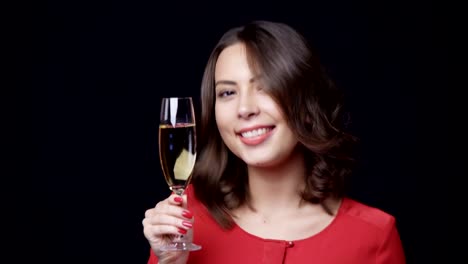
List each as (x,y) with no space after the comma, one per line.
(255,136)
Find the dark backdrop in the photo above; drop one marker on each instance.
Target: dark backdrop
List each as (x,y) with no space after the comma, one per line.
(101,68)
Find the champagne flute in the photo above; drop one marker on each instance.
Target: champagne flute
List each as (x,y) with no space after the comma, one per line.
(177,152)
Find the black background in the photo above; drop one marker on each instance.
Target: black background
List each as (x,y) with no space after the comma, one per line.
(100,68)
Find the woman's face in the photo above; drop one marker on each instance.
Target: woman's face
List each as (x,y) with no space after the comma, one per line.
(250,122)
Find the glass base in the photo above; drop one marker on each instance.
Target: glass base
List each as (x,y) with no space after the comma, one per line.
(180,246)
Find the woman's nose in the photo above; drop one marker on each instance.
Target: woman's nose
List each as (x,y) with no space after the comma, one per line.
(247,106)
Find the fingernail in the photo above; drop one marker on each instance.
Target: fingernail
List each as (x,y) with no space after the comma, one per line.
(187,224)
(187,214)
(178,199)
(182,231)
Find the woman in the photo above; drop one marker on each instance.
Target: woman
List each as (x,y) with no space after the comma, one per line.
(269,183)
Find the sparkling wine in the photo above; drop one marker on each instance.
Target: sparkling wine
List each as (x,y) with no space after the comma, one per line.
(177,151)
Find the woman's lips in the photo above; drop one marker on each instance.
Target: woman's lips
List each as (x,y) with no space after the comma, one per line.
(255,136)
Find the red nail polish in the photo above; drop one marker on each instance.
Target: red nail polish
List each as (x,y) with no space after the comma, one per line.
(182,231)
(178,199)
(187,224)
(187,214)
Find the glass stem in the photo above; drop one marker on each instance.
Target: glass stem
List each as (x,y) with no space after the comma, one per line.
(179,238)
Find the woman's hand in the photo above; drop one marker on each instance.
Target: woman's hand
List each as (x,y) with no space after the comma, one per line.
(162,223)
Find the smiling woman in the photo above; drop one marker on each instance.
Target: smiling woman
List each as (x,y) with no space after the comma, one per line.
(269,182)
(249,121)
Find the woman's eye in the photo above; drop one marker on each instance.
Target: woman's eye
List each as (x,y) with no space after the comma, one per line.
(226,93)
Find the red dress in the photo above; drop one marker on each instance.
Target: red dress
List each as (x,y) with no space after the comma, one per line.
(359,234)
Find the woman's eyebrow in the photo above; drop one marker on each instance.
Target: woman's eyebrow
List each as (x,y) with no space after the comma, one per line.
(225,82)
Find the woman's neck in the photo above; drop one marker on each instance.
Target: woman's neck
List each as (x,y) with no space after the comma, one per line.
(277,188)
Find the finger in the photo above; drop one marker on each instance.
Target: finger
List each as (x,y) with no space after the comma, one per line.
(149,213)
(153,232)
(169,209)
(164,219)
(175,199)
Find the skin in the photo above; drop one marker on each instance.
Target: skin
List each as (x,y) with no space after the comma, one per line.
(275,164)
(167,218)
(241,104)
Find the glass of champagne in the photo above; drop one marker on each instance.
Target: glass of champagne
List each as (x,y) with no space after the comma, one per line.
(177,152)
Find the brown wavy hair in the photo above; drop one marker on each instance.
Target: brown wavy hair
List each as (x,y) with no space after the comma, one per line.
(293,76)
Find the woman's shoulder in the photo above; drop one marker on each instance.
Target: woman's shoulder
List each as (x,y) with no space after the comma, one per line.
(193,202)
(367,214)
(199,210)
(191,199)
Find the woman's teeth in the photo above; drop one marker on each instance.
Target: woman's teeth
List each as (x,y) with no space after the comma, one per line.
(255,133)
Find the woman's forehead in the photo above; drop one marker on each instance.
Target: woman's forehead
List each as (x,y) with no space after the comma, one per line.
(232,64)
